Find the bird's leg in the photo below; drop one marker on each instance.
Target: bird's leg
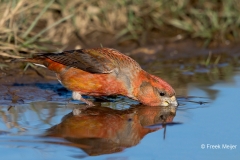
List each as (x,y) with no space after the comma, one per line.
(78,96)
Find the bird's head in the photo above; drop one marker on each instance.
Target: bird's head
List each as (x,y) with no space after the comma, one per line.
(156,92)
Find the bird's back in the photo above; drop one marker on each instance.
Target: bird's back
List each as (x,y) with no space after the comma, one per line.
(96,60)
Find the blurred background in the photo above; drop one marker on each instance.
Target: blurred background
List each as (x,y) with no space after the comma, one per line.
(55,25)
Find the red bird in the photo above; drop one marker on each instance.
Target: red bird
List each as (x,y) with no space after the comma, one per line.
(104,72)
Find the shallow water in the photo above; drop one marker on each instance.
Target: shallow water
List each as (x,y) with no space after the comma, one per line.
(204,126)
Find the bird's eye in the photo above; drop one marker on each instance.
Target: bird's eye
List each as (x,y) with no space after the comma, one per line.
(162,94)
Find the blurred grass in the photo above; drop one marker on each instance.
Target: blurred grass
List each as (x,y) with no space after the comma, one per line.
(32,26)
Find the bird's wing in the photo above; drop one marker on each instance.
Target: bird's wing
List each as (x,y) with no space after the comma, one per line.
(90,60)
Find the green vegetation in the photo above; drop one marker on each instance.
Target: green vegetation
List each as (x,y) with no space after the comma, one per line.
(30,26)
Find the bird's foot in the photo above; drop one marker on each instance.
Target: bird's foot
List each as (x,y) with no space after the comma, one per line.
(89,103)
(78,96)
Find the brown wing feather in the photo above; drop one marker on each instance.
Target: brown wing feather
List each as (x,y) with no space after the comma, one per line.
(96,60)
(83,59)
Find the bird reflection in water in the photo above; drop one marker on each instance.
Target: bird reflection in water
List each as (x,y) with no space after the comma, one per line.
(102,130)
